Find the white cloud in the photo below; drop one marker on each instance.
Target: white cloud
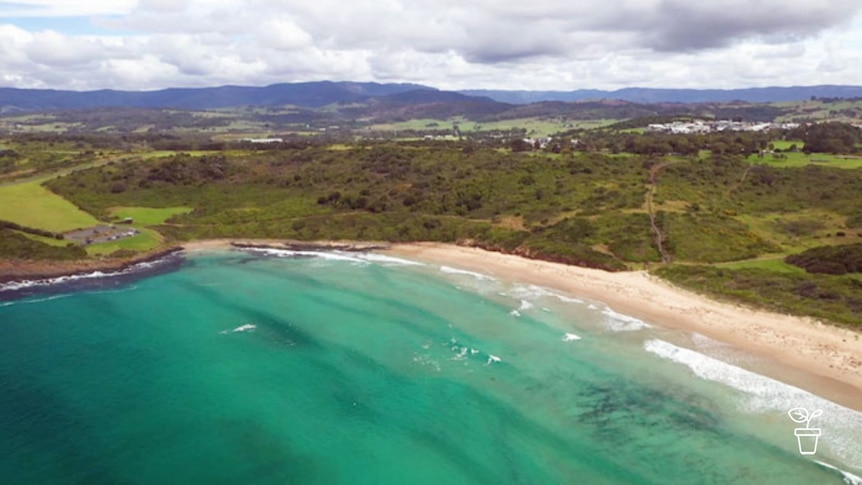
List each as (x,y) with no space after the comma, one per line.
(541,44)
(60,8)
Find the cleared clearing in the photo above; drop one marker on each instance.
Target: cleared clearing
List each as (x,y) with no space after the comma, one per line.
(146,240)
(32,205)
(148,216)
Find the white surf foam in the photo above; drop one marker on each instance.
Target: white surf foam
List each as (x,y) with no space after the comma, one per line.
(515,313)
(623,323)
(35,300)
(19,285)
(426,361)
(704,342)
(492,358)
(242,328)
(382,258)
(849,478)
(569,337)
(532,292)
(525,305)
(478,276)
(460,352)
(290,253)
(763,394)
(354,257)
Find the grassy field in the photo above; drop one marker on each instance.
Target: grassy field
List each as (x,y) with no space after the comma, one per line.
(146,240)
(773,264)
(800,159)
(785,144)
(533,126)
(416,124)
(148,216)
(32,205)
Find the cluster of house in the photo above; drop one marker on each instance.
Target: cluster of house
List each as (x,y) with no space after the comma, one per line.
(540,142)
(709,126)
(263,140)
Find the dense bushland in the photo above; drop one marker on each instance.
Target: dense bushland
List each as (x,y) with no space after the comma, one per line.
(836,260)
(587,209)
(835,298)
(15,245)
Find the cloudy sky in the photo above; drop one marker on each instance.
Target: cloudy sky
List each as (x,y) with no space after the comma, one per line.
(450,44)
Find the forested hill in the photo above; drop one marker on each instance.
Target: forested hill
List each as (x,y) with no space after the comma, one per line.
(323,93)
(651,95)
(307,95)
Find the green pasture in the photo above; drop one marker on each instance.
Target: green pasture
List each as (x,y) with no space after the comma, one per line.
(785,144)
(146,240)
(148,216)
(800,159)
(532,126)
(776,264)
(416,124)
(32,205)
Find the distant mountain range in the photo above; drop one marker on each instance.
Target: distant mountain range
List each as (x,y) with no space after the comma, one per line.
(312,95)
(653,95)
(306,95)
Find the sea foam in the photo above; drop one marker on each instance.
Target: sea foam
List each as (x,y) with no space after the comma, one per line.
(478,276)
(849,478)
(290,253)
(623,323)
(23,284)
(248,327)
(534,291)
(763,394)
(384,259)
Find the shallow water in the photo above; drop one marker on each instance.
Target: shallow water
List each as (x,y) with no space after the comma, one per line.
(278,367)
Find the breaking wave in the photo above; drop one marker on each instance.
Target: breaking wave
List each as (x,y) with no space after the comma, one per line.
(763,394)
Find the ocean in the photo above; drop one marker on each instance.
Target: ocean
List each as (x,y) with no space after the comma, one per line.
(276,367)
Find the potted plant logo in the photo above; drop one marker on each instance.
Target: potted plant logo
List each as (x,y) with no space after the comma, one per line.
(807,437)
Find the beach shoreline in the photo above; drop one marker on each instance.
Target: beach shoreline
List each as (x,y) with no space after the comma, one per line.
(823,359)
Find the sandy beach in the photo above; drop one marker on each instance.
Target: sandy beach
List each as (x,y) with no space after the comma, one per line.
(822,359)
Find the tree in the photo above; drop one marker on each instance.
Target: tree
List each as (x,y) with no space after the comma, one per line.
(833,137)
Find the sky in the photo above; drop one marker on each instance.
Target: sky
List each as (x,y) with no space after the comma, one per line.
(448,44)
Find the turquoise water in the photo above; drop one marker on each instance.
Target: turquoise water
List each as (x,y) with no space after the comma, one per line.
(239,368)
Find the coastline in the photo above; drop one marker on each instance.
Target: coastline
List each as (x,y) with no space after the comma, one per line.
(823,359)
(26,270)
(17,270)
